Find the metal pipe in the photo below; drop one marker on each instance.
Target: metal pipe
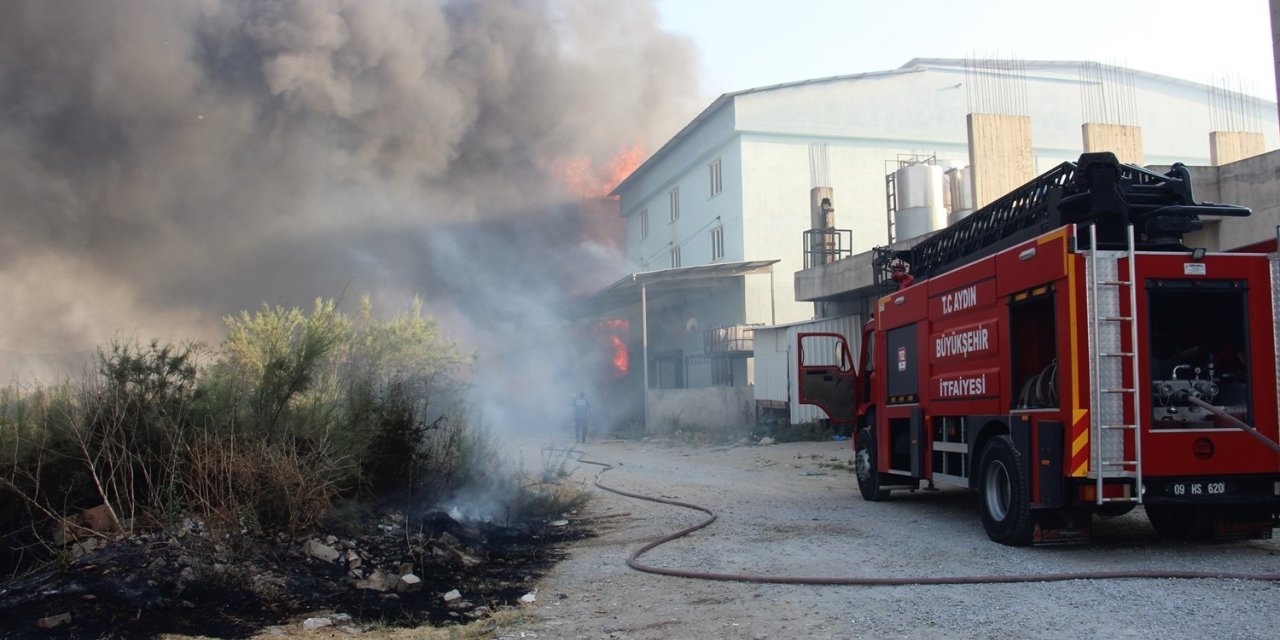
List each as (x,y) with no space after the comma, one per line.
(644,355)
(773,307)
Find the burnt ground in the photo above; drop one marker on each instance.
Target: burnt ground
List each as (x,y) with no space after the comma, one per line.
(190,581)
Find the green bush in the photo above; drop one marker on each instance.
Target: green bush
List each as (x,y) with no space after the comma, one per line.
(293,411)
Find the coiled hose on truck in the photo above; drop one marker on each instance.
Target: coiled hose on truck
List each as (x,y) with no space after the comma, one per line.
(634,562)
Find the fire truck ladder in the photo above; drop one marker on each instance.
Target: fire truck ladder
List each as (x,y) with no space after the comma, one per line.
(1109,399)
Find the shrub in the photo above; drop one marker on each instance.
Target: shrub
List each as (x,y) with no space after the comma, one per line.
(277,355)
(260,485)
(295,410)
(395,456)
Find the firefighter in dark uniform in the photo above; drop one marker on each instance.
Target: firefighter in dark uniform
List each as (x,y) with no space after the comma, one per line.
(581,412)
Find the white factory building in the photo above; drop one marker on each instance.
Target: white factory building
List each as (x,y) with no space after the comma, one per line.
(733,188)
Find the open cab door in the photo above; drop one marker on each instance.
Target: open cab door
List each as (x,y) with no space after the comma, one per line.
(827,376)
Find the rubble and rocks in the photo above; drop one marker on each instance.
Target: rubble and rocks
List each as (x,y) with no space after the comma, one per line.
(84,546)
(150,583)
(409,583)
(377,581)
(321,550)
(466,559)
(311,624)
(53,622)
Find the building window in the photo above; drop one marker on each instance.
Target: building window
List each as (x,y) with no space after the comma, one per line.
(675,257)
(675,204)
(722,372)
(716,185)
(644,224)
(717,243)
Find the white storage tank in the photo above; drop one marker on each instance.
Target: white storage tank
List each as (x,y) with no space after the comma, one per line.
(960,185)
(921,200)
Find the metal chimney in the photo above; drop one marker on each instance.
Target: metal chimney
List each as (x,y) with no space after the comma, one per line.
(822,216)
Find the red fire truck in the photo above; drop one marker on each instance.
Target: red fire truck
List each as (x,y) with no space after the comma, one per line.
(1064,354)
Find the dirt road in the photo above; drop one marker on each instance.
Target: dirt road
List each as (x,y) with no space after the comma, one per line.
(794,509)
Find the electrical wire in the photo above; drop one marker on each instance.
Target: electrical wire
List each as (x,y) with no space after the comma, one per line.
(671,245)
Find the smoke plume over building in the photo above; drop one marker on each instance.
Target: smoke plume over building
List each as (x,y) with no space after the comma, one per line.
(164,163)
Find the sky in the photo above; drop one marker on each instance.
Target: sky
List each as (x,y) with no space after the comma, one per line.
(753,43)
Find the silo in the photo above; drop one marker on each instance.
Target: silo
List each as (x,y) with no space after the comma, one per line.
(920,202)
(960,185)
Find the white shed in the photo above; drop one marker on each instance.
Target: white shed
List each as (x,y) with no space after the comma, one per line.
(775,364)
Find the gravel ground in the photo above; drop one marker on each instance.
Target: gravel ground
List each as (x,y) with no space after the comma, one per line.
(794,509)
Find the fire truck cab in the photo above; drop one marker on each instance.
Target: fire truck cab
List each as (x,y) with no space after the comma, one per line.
(1062,353)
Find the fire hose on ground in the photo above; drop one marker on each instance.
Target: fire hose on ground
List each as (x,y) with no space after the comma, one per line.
(634,562)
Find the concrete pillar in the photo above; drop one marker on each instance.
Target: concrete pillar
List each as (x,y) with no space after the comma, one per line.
(1226,147)
(1123,140)
(999,154)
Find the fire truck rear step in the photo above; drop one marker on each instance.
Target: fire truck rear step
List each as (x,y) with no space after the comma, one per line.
(1111,455)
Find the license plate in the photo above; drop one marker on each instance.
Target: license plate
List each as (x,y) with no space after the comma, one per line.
(1196,489)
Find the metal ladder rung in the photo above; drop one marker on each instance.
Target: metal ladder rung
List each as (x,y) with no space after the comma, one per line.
(1108,289)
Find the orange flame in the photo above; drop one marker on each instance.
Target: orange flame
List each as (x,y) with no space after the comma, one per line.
(615,329)
(621,361)
(584,179)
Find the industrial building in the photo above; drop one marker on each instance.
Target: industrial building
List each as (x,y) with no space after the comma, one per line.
(780,187)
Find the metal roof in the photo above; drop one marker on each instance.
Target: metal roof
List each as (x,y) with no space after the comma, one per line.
(1071,64)
(913,65)
(626,291)
(727,98)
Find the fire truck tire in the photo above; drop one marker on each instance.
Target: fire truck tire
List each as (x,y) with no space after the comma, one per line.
(1003,491)
(869,478)
(1182,522)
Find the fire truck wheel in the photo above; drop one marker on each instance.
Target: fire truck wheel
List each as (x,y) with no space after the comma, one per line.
(864,460)
(1002,485)
(1182,522)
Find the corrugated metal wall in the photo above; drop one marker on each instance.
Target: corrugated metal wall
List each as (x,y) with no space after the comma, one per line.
(776,362)
(771,355)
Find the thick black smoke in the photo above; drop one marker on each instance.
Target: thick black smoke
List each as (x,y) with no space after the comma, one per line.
(167,162)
